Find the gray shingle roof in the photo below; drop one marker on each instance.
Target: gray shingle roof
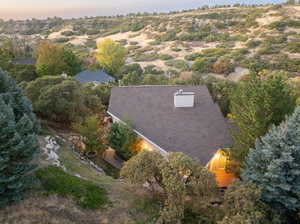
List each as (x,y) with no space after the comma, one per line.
(90,76)
(199,131)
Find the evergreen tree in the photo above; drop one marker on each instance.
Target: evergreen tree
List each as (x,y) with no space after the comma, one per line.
(255,105)
(18,141)
(274,164)
(121,137)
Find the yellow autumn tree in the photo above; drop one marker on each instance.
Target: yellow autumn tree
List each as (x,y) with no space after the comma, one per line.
(111,55)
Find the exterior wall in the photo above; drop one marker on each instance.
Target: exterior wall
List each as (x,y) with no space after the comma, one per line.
(217,165)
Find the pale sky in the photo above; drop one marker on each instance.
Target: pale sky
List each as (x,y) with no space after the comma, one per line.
(22,9)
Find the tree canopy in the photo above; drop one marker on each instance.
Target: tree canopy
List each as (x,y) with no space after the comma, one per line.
(18,141)
(62,99)
(256,104)
(54,59)
(274,164)
(177,177)
(111,56)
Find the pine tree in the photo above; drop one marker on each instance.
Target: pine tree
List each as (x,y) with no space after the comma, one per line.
(18,141)
(274,164)
(256,104)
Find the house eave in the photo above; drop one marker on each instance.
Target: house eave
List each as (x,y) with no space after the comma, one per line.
(164,152)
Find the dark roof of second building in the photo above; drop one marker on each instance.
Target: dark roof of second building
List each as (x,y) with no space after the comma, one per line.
(87,76)
(199,131)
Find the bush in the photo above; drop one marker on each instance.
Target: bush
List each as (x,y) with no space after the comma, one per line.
(168,36)
(103,91)
(151,69)
(155,42)
(176,49)
(135,67)
(133,47)
(215,52)
(121,138)
(146,57)
(23,72)
(242,203)
(193,56)
(179,64)
(223,67)
(293,47)
(62,40)
(203,65)
(220,91)
(87,194)
(68,33)
(253,43)
(165,57)
(150,79)
(92,129)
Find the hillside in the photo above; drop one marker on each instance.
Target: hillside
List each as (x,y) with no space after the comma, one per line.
(125,205)
(264,37)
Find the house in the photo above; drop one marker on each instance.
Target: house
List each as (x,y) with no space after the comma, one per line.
(97,77)
(176,119)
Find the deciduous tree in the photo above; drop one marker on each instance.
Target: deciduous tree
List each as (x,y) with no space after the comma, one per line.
(111,56)
(54,59)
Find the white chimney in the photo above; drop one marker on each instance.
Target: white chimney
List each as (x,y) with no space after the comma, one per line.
(184,99)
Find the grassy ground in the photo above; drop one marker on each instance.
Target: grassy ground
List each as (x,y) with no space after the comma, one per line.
(127,204)
(87,194)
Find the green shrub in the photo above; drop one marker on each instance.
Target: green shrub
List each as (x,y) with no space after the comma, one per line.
(121,138)
(68,33)
(155,42)
(203,65)
(165,57)
(87,194)
(168,36)
(133,43)
(133,47)
(62,40)
(179,64)
(211,52)
(176,49)
(150,79)
(152,69)
(146,57)
(92,129)
(268,49)
(293,47)
(253,43)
